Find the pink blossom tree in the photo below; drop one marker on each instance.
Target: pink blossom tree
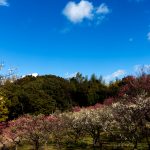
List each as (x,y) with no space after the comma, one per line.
(31,129)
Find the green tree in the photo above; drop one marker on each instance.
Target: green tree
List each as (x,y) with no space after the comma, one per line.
(3,98)
(3,108)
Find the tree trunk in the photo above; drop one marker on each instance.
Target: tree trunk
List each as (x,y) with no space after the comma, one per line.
(100,145)
(4,147)
(94,141)
(148,142)
(16,146)
(149,146)
(58,144)
(99,140)
(135,145)
(37,145)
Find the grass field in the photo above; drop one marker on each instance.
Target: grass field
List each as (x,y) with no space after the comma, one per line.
(85,146)
(105,147)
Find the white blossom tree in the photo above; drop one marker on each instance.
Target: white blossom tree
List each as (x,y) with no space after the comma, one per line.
(97,121)
(74,126)
(132,118)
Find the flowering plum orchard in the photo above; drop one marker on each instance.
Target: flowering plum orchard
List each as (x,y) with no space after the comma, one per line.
(131,119)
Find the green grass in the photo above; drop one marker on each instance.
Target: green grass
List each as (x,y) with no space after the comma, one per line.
(84,146)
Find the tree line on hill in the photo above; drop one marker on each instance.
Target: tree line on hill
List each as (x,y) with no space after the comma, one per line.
(48,94)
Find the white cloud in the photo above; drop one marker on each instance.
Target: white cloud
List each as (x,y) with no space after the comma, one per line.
(3,3)
(103,9)
(118,73)
(114,75)
(77,12)
(148,36)
(67,75)
(32,74)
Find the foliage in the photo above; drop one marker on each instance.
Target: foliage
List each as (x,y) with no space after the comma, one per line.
(3,108)
(44,94)
(3,98)
(47,94)
(133,86)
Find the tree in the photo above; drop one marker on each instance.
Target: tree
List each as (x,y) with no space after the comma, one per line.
(31,129)
(134,86)
(38,95)
(3,108)
(79,78)
(143,105)
(73,125)
(96,121)
(132,118)
(12,134)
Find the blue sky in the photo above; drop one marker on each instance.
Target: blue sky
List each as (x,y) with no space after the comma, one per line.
(61,37)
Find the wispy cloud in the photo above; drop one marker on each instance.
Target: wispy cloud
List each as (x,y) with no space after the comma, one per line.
(143,68)
(78,12)
(148,36)
(103,9)
(114,75)
(4,3)
(65,30)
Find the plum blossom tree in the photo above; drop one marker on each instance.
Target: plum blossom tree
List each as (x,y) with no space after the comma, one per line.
(3,125)
(127,123)
(96,121)
(131,117)
(58,130)
(74,125)
(11,136)
(143,105)
(31,129)
(54,126)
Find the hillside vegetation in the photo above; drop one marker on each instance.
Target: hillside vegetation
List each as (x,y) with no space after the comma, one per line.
(48,94)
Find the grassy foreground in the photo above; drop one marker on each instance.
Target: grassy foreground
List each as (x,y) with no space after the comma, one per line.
(108,146)
(86,144)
